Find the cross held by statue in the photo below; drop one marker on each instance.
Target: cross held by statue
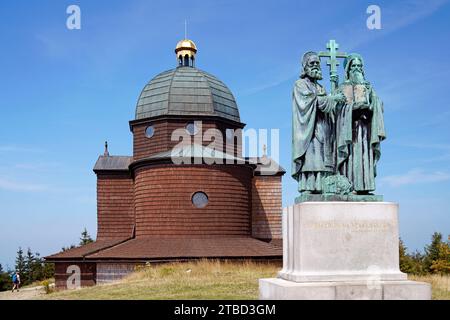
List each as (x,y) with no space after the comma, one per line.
(333,61)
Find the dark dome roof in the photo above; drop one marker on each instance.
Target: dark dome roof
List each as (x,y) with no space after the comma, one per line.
(186,91)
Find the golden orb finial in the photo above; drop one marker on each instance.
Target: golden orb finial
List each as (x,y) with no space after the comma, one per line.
(185,51)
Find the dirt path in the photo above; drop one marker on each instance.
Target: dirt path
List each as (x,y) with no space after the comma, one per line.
(23,294)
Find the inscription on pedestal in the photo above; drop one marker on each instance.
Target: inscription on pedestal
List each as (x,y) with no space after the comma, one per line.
(353,226)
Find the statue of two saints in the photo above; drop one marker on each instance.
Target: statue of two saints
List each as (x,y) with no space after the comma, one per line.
(336,137)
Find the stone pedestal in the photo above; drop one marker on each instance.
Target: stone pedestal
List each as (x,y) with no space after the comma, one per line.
(341,250)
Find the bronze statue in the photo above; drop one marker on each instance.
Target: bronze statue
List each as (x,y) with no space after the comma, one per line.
(313,127)
(360,128)
(336,137)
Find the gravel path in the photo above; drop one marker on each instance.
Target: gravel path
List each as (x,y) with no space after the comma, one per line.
(23,294)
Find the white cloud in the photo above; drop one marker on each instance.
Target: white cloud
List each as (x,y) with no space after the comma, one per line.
(442,148)
(38,166)
(9,185)
(415,176)
(395,16)
(268,85)
(408,12)
(441,118)
(424,145)
(16,148)
(50,46)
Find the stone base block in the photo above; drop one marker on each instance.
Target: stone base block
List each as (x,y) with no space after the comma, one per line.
(341,241)
(280,289)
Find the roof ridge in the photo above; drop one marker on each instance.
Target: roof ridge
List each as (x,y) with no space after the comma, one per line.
(210,90)
(87,249)
(106,248)
(148,83)
(109,247)
(170,89)
(233,98)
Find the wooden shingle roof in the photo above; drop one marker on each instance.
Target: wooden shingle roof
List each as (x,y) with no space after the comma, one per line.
(112,163)
(83,251)
(173,248)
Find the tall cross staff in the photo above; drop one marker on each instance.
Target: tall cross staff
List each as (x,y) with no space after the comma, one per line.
(333,62)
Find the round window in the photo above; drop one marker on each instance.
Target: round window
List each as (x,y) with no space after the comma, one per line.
(191,128)
(200,199)
(150,131)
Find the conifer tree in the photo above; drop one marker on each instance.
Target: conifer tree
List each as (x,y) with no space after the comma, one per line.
(20,261)
(432,251)
(48,270)
(441,265)
(28,275)
(5,279)
(72,246)
(38,267)
(406,264)
(85,238)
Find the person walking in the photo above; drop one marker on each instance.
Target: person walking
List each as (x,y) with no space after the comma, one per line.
(16,281)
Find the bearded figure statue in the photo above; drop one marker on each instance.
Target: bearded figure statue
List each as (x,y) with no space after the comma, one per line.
(359,128)
(313,128)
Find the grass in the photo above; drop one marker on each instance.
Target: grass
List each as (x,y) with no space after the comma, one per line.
(200,280)
(440,285)
(40,283)
(203,280)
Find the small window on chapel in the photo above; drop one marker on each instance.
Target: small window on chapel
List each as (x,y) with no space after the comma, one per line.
(229,133)
(191,128)
(200,199)
(149,131)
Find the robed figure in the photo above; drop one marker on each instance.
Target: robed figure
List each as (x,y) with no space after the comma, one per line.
(313,128)
(359,128)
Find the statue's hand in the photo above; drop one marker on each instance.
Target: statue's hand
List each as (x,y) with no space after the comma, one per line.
(334,78)
(360,105)
(339,97)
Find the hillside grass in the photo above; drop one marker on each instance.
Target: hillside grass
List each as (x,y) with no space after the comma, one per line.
(203,280)
(40,283)
(440,285)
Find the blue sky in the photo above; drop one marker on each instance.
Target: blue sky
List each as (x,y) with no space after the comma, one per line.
(64,92)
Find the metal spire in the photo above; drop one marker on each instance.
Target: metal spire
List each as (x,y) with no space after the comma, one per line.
(106,153)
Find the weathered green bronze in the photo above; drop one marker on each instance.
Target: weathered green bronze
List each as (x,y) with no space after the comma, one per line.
(333,62)
(313,127)
(359,128)
(336,138)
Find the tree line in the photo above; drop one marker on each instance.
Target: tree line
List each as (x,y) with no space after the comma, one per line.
(32,267)
(434,260)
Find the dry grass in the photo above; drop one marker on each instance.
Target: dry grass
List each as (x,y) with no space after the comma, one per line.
(203,280)
(40,283)
(200,280)
(440,285)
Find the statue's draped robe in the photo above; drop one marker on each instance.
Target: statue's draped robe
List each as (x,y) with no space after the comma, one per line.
(360,130)
(313,137)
